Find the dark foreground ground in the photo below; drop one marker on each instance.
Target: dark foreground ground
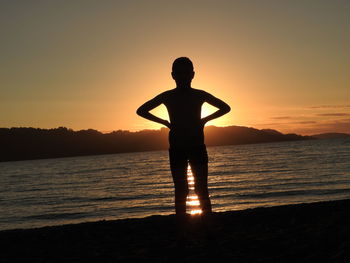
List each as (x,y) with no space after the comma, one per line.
(318,232)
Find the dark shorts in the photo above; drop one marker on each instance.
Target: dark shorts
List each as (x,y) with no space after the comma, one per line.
(192,155)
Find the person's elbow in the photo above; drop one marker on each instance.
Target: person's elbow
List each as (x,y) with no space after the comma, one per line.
(226,108)
(140,111)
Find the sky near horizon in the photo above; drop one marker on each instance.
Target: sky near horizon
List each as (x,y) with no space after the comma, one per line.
(84,64)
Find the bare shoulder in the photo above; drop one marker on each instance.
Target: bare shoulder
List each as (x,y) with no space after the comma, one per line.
(164,94)
(168,92)
(201,93)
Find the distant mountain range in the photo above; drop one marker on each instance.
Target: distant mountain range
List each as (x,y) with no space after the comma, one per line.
(34,143)
(333,135)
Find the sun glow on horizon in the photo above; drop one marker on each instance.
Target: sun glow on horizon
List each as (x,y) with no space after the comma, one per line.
(91,65)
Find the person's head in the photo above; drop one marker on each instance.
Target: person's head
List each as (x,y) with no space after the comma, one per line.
(182,71)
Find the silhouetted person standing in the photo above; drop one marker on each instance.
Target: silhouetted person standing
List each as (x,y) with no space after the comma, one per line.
(186,136)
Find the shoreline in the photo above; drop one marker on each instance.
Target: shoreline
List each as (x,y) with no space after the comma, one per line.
(292,233)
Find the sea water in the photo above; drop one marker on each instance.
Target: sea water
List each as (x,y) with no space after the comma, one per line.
(46,192)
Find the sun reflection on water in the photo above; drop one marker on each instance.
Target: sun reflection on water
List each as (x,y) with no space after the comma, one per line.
(192,202)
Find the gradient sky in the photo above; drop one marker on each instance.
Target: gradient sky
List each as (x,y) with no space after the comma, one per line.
(89,64)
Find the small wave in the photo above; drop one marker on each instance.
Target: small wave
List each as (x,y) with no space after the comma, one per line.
(55,216)
(278,194)
(95,170)
(129,197)
(306,192)
(139,208)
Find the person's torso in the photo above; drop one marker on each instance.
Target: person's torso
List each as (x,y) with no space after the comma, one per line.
(184,109)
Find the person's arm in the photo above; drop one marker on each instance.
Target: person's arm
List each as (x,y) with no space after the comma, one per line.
(144,110)
(223,107)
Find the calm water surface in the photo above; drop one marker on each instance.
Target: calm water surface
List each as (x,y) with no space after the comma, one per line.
(79,189)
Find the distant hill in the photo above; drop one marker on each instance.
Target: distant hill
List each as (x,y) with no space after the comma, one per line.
(272,131)
(35,143)
(331,135)
(232,135)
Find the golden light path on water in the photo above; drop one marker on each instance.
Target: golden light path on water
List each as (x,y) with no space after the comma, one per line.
(192,201)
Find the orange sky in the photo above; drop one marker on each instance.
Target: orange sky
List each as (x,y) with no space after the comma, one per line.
(90,64)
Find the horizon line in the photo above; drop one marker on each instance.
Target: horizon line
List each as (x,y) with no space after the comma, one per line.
(162,128)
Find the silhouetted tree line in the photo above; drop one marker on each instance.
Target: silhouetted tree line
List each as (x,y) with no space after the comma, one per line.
(35,143)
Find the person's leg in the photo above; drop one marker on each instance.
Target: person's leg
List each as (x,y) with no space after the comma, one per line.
(199,165)
(200,174)
(178,166)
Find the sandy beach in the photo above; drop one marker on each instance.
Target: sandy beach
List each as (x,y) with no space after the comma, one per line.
(317,232)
